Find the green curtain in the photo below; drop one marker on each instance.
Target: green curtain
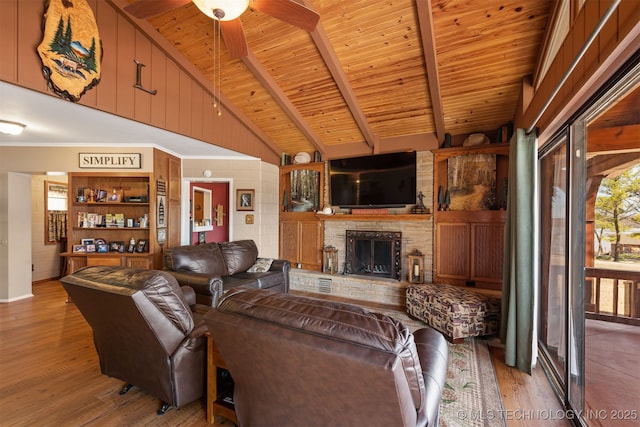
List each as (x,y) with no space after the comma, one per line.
(518,288)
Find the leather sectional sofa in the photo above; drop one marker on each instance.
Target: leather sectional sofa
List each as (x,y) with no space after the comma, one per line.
(212,269)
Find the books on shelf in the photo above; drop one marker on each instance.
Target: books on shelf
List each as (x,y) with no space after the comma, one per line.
(114,220)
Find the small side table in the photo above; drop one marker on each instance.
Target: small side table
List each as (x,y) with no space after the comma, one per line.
(215,398)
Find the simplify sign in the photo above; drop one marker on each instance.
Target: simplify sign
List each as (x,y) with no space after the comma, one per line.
(111,160)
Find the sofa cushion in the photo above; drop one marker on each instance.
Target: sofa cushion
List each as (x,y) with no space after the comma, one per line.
(256,280)
(261,265)
(205,259)
(239,255)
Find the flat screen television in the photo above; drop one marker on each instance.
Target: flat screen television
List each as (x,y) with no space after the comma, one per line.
(383,180)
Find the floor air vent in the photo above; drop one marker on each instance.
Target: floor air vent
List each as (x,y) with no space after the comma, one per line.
(324,286)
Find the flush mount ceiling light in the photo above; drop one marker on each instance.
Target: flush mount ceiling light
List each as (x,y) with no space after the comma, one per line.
(11,128)
(222,10)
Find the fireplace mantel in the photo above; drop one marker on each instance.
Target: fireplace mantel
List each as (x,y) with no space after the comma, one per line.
(389,217)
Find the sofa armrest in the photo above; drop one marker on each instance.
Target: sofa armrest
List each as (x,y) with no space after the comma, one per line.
(433,354)
(280,265)
(285,267)
(203,284)
(189,295)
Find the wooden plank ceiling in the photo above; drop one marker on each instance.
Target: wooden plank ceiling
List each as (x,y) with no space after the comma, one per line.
(374,76)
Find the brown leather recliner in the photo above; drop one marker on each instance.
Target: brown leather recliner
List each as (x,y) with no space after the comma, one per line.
(303,361)
(147,330)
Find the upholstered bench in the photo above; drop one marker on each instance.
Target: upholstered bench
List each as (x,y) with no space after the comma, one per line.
(455,311)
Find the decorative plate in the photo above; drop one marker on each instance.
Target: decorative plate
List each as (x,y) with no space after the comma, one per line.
(302,157)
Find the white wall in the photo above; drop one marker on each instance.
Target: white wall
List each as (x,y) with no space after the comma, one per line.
(17,165)
(15,236)
(246,174)
(46,258)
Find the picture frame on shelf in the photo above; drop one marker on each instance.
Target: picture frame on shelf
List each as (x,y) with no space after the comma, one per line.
(119,217)
(79,249)
(245,199)
(94,219)
(85,242)
(83,220)
(100,196)
(102,248)
(91,248)
(141,246)
(116,246)
(114,197)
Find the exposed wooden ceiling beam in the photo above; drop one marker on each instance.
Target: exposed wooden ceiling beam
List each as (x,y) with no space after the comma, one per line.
(611,165)
(319,36)
(419,142)
(425,19)
(268,82)
(613,139)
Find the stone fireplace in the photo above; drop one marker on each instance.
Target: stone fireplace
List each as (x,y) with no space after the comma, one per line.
(416,234)
(373,253)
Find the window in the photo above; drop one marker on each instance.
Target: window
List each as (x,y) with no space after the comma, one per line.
(55,205)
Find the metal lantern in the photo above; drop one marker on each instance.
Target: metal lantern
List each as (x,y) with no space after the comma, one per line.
(416,267)
(329,259)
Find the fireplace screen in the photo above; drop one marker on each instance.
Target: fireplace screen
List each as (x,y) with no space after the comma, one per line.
(373,253)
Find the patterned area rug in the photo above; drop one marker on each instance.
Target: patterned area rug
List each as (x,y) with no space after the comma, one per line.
(471,397)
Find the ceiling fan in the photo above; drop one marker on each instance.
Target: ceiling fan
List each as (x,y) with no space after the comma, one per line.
(227,13)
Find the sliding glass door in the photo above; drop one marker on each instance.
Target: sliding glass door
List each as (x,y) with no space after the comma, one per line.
(553,261)
(597,143)
(561,312)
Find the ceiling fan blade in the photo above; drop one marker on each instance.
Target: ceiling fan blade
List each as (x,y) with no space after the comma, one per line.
(289,11)
(234,39)
(143,9)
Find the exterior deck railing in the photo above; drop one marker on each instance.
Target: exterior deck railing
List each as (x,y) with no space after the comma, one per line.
(612,295)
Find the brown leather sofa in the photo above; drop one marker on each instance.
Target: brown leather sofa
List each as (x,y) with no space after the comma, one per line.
(300,361)
(147,330)
(211,269)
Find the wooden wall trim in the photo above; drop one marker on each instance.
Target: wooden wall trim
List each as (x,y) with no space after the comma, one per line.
(617,41)
(184,100)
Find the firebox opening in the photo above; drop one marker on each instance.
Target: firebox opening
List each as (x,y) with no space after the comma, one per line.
(373,253)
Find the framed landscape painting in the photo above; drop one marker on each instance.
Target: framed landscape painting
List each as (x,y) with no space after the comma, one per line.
(472,182)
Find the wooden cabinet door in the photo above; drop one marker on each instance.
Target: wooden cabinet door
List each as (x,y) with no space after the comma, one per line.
(452,251)
(141,262)
(301,243)
(310,244)
(289,241)
(487,242)
(75,263)
(105,261)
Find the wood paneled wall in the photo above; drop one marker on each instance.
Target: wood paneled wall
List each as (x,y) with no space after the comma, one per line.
(616,42)
(184,100)
(168,169)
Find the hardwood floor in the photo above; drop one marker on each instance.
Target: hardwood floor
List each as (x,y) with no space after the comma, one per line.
(50,375)
(528,400)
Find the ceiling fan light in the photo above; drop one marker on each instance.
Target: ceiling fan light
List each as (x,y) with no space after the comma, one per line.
(231,9)
(11,128)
